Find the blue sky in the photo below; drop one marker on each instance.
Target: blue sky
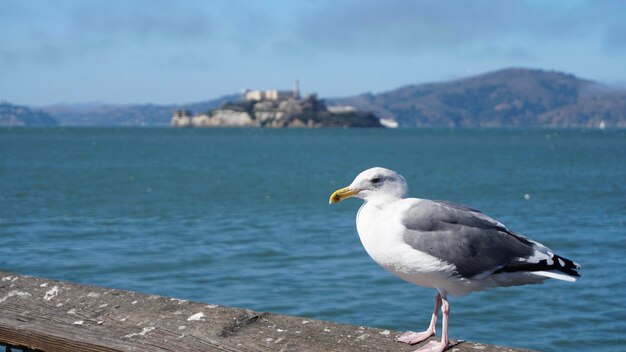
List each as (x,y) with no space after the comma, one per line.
(158,51)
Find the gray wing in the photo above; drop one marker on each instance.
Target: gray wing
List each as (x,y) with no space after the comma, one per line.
(473,242)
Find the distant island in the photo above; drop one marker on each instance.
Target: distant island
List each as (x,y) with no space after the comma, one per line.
(276,109)
(513,97)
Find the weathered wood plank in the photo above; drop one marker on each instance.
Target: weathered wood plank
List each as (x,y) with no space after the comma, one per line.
(51,315)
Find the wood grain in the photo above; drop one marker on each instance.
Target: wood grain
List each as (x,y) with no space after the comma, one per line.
(50,315)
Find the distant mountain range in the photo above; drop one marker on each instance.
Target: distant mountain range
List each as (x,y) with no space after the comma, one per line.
(15,115)
(515,97)
(126,115)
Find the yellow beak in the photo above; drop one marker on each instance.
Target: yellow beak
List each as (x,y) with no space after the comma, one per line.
(342,194)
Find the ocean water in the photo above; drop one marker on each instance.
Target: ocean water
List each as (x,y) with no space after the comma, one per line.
(240,217)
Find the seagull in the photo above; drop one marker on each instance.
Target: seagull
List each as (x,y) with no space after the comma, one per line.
(450,247)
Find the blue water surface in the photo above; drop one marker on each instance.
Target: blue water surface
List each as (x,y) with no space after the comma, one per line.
(240,217)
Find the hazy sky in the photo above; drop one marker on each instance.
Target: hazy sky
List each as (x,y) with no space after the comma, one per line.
(133,51)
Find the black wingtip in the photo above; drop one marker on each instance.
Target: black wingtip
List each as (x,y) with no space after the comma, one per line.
(566,266)
(558,263)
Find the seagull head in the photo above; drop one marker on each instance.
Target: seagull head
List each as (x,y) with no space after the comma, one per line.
(375,183)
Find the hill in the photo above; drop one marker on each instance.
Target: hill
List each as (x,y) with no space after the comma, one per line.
(125,115)
(513,97)
(16,115)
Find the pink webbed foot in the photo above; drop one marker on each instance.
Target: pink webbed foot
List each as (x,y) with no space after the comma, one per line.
(433,346)
(412,338)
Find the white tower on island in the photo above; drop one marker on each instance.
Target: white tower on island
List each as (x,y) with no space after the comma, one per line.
(296,90)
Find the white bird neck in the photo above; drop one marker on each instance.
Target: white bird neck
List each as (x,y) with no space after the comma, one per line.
(381,199)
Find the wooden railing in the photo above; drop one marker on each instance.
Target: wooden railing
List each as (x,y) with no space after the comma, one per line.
(49,315)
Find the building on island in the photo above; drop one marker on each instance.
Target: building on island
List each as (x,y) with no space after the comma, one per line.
(201,119)
(181,118)
(272,94)
(339,109)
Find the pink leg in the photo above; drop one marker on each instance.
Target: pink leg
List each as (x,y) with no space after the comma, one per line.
(412,338)
(434,346)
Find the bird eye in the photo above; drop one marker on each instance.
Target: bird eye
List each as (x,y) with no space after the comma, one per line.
(376,179)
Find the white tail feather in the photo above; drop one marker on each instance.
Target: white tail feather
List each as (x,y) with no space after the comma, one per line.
(554,275)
